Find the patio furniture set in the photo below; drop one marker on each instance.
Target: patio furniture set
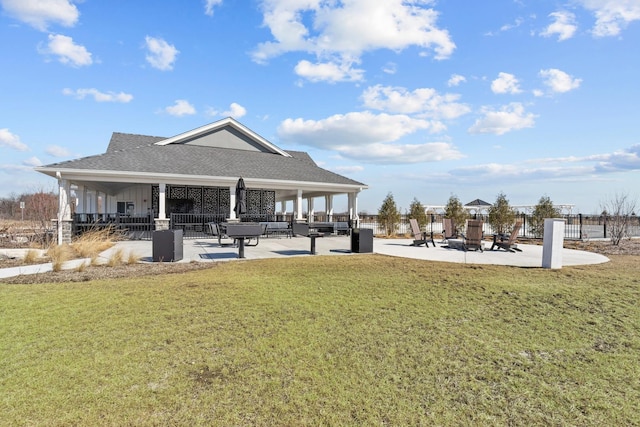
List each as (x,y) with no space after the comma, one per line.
(471,239)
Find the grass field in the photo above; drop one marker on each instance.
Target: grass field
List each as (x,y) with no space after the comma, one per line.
(352,340)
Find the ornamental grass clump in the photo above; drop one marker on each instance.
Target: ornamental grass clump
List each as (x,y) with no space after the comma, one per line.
(93,242)
(31,256)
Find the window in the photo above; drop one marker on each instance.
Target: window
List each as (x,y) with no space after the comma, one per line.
(126,208)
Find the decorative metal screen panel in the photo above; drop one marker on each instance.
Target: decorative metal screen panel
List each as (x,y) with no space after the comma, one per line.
(155,200)
(224,201)
(210,200)
(268,202)
(253,202)
(195,194)
(215,200)
(177,192)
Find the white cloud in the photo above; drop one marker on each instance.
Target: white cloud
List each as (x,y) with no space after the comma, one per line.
(564,25)
(328,71)
(506,83)
(98,96)
(57,151)
(558,81)
(455,80)
(11,140)
(585,168)
(67,51)
(348,29)
(32,161)
(235,110)
(612,16)
(402,153)
(358,128)
(367,137)
(390,68)
(209,5)
(506,27)
(347,169)
(425,102)
(42,13)
(161,54)
(508,118)
(182,107)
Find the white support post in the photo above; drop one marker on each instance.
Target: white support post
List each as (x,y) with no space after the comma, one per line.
(81,206)
(232,203)
(283,207)
(353,208)
(162,201)
(310,208)
(298,206)
(328,201)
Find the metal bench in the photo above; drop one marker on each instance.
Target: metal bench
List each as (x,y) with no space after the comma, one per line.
(277,228)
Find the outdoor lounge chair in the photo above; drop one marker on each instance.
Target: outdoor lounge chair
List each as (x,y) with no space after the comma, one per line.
(507,242)
(473,236)
(420,237)
(448,230)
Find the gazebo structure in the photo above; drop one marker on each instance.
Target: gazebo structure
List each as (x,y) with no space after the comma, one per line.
(194,173)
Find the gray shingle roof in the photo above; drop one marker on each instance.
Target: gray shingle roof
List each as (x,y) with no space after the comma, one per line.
(137,153)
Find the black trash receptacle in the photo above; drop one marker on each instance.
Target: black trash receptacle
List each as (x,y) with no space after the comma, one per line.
(167,245)
(361,240)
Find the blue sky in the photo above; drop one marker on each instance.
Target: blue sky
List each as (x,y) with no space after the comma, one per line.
(421,99)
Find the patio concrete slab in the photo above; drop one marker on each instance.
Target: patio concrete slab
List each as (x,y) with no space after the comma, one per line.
(208,250)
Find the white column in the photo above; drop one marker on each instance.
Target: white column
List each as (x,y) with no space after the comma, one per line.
(283,207)
(64,209)
(310,208)
(328,202)
(232,202)
(162,201)
(298,204)
(353,208)
(81,207)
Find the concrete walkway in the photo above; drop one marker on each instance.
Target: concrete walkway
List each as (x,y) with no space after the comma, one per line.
(208,250)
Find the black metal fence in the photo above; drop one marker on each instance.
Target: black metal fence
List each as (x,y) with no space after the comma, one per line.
(131,226)
(195,226)
(577,227)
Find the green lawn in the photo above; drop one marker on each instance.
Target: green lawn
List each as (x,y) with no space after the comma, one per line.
(341,340)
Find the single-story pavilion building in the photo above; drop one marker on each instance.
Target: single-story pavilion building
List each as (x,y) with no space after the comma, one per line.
(154,180)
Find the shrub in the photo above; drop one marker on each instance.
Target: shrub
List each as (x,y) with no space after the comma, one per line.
(416,211)
(456,212)
(501,215)
(388,215)
(544,209)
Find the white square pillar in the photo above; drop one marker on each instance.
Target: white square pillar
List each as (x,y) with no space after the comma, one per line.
(552,243)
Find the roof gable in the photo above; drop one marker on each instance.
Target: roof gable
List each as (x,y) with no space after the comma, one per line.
(225,133)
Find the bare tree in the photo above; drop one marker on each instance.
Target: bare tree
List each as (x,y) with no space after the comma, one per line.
(618,210)
(41,207)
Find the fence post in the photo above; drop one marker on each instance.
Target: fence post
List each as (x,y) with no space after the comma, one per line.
(580,222)
(605,226)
